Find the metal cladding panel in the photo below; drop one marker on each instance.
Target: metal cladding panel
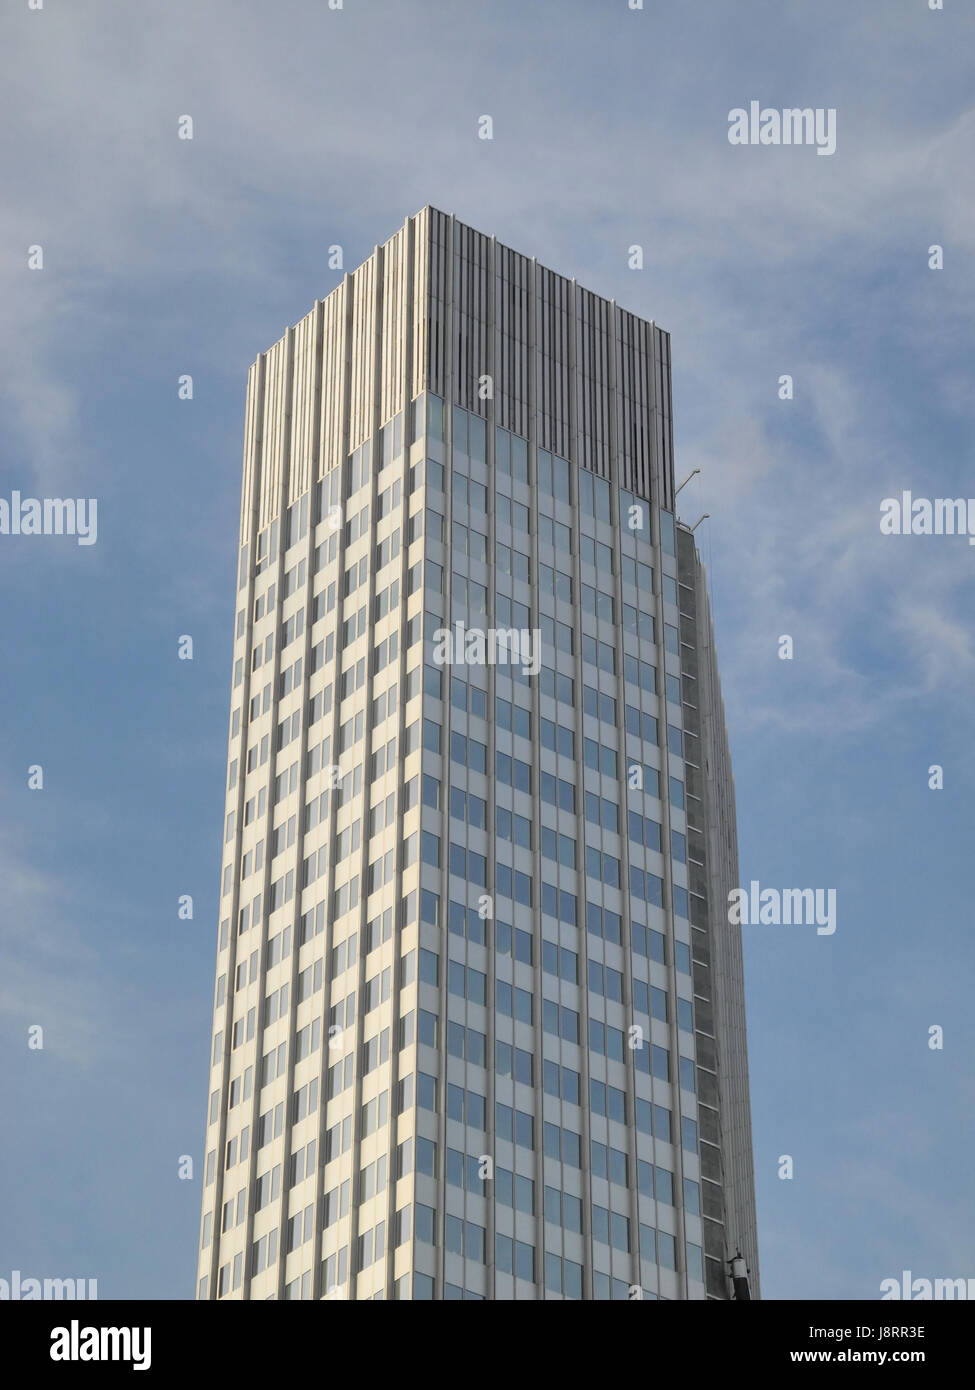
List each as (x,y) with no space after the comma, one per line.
(595,394)
(252,447)
(471,318)
(553,356)
(634,374)
(561,357)
(304,419)
(421,292)
(513,318)
(590,381)
(333,379)
(666,413)
(593,379)
(363,352)
(437,300)
(277,423)
(395,305)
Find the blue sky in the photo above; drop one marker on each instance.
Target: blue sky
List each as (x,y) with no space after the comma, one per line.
(314,127)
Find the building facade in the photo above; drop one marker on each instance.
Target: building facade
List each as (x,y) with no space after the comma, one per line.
(479,1014)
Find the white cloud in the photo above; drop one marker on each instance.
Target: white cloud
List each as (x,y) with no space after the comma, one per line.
(49,971)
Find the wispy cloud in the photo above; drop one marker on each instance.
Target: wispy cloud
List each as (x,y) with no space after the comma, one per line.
(49,972)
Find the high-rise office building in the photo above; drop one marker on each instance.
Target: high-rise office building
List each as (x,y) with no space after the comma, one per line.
(479,1015)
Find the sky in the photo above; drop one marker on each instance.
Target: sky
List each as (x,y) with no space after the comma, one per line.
(315,127)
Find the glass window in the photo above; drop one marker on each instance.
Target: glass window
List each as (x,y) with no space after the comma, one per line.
(524,1261)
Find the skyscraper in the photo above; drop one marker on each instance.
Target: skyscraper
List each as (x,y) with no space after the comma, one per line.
(479,1014)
